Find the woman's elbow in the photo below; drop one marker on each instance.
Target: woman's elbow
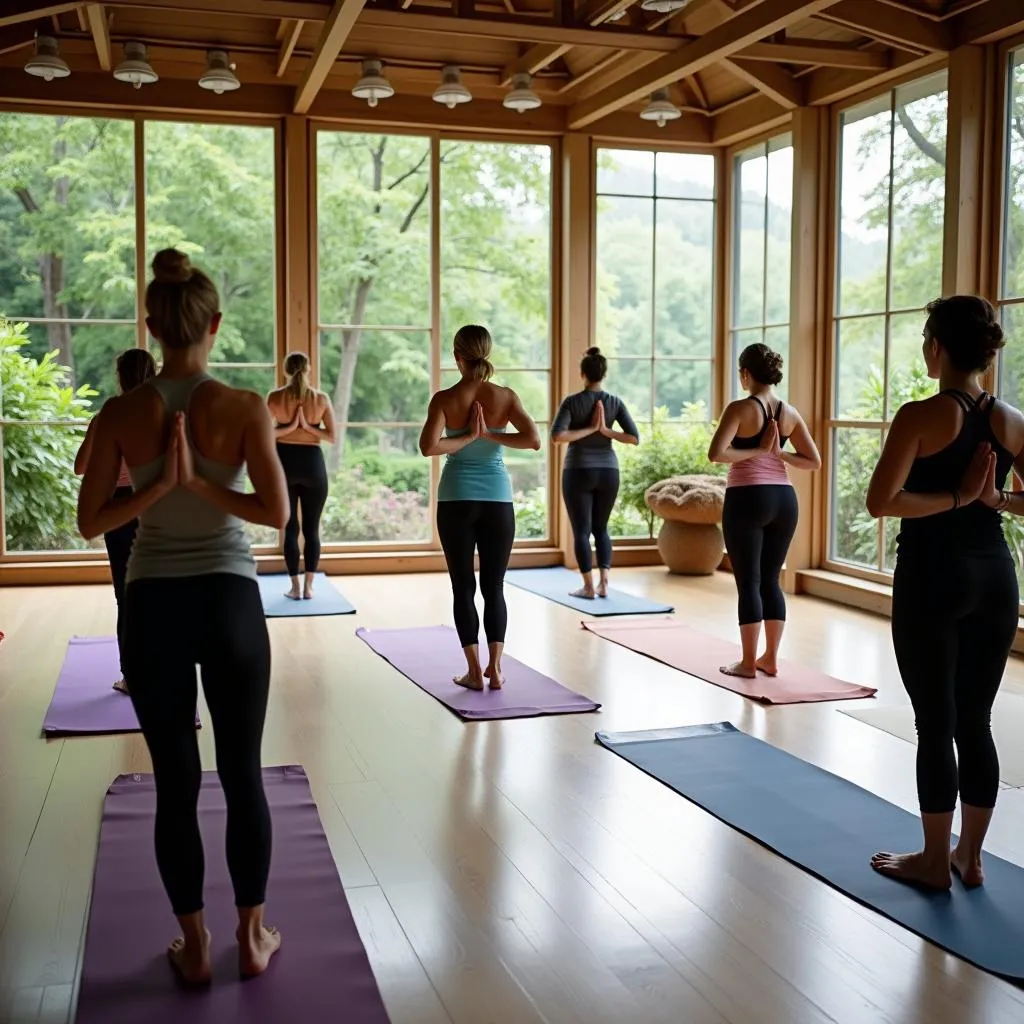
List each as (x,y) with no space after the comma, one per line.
(535,442)
(875,505)
(714,455)
(87,528)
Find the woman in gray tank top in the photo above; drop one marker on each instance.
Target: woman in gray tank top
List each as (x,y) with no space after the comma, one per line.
(192,599)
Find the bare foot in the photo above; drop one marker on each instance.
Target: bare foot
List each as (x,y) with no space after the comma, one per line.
(602,590)
(254,953)
(468,681)
(121,686)
(767,666)
(293,594)
(969,869)
(583,592)
(738,669)
(192,966)
(497,681)
(307,594)
(913,869)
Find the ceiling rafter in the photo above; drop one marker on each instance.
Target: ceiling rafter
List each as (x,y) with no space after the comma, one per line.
(534,60)
(776,83)
(595,69)
(332,39)
(99,27)
(988,24)
(15,11)
(725,40)
(818,54)
(597,12)
(14,37)
(890,25)
(292,31)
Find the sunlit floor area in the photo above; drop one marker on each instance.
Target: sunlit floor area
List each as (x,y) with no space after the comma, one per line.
(512,871)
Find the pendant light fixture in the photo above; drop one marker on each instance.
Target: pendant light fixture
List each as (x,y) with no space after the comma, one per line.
(660,108)
(46,62)
(521,97)
(451,91)
(135,69)
(663,6)
(373,86)
(219,76)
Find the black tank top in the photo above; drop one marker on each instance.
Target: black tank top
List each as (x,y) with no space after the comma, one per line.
(754,440)
(973,529)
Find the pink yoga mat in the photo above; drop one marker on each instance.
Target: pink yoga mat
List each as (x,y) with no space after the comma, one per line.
(321,973)
(84,700)
(431,655)
(700,655)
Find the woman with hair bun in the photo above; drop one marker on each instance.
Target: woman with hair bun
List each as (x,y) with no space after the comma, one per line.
(303,418)
(760,513)
(192,599)
(590,476)
(954,600)
(468,423)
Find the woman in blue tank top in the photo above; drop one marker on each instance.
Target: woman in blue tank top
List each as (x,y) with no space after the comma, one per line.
(468,424)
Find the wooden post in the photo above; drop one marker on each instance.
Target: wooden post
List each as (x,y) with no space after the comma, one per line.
(575,296)
(809,334)
(299,241)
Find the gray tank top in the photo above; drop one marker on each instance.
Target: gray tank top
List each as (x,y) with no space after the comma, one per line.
(181,534)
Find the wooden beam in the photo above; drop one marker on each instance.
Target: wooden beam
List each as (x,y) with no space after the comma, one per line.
(752,117)
(694,83)
(595,69)
(818,53)
(14,11)
(989,24)
(596,12)
(82,23)
(536,58)
(772,81)
(16,36)
(831,85)
(293,30)
(890,25)
(299,246)
(627,63)
(332,39)
(100,29)
(726,39)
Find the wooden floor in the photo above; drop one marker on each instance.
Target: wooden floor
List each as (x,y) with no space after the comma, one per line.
(511,872)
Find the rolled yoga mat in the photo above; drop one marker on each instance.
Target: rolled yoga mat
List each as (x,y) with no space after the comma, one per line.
(84,700)
(1007,728)
(831,828)
(700,655)
(321,972)
(557,585)
(326,599)
(431,655)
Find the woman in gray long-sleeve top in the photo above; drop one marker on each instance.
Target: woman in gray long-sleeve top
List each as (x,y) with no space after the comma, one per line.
(590,479)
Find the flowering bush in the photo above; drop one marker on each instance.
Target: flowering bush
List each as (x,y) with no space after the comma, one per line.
(361,508)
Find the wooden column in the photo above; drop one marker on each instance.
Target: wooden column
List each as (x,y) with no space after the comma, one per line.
(575,295)
(965,266)
(298,243)
(809,332)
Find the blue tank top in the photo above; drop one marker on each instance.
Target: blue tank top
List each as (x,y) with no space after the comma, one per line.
(476,473)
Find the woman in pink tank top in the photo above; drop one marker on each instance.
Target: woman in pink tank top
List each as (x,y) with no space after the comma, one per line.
(760,513)
(134,367)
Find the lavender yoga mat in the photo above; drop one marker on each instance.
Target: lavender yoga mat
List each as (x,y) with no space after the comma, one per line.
(700,655)
(431,655)
(321,973)
(84,700)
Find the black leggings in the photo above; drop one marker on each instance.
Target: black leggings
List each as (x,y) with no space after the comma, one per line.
(759,522)
(953,623)
(217,622)
(306,474)
(489,527)
(589,496)
(119,548)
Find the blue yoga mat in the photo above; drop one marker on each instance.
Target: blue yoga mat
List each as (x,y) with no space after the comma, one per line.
(326,599)
(831,828)
(557,584)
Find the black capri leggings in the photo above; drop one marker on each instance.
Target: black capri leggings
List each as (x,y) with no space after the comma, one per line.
(759,522)
(119,548)
(306,474)
(589,496)
(490,528)
(953,623)
(216,622)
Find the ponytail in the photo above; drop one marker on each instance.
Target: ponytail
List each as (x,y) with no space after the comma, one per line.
(296,369)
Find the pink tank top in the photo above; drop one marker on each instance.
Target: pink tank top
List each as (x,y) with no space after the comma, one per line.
(762,469)
(123,479)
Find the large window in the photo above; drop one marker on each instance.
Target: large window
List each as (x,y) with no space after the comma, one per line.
(383,345)
(892,162)
(70,291)
(655,267)
(761,247)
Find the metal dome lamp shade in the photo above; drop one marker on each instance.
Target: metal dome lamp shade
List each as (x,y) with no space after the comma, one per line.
(660,109)
(521,97)
(46,62)
(451,91)
(135,69)
(219,76)
(663,6)
(373,86)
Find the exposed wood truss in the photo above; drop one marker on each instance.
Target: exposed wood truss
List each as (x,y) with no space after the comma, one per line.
(292,31)
(335,32)
(769,79)
(536,58)
(899,27)
(96,17)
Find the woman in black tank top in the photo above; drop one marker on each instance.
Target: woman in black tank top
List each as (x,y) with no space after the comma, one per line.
(955,600)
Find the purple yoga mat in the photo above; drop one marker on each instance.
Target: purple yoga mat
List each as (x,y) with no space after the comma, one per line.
(321,973)
(430,656)
(84,700)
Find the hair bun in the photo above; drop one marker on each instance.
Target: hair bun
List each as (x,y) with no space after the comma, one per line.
(995,333)
(171,267)
(595,351)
